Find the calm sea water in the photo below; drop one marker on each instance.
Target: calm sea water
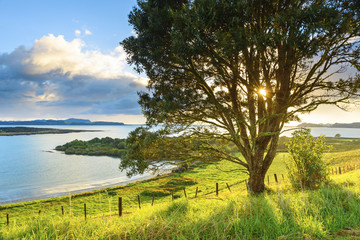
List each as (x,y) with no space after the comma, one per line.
(30,168)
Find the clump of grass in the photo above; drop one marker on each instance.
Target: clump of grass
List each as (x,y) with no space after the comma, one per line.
(156,192)
(181,181)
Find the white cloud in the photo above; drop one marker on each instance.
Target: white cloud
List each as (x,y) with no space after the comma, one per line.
(77,33)
(87,32)
(55,54)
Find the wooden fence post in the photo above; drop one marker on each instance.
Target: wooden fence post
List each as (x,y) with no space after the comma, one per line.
(62,210)
(120,206)
(139,201)
(217,189)
(85,210)
(39,212)
(276,180)
(196,192)
(153,199)
(228,187)
(339,170)
(185,193)
(7,219)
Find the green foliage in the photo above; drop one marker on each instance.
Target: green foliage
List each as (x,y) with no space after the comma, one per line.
(147,149)
(337,135)
(95,147)
(209,63)
(306,167)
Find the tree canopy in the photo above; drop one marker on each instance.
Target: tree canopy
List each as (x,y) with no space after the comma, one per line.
(234,72)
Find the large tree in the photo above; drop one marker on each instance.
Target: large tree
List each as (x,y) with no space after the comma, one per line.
(235,71)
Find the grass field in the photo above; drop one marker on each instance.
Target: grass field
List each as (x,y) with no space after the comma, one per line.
(332,212)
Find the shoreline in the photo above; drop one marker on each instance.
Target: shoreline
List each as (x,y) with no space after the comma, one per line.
(60,194)
(18,131)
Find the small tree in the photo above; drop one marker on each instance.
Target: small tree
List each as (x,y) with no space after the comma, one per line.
(337,135)
(306,166)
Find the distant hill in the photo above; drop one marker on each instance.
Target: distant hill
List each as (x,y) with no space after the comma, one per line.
(76,120)
(335,125)
(70,121)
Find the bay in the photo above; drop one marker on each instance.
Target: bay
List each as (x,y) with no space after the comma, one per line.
(30,168)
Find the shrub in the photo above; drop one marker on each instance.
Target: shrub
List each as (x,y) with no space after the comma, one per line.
(306,167)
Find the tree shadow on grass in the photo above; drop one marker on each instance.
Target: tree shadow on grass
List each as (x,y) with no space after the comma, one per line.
(171,185)
(317,214)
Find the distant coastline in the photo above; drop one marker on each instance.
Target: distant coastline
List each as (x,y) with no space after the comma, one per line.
(70,121)
(334,125)
(12,131)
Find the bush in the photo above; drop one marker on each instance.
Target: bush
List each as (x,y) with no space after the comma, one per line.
(306,167)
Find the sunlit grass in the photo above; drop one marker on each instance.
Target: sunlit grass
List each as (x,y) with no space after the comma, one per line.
(290,215)
(279,213)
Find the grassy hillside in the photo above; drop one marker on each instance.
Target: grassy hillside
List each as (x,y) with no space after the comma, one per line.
(330,212)
(325,213)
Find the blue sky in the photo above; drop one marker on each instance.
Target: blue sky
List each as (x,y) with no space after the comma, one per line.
(23,21)
(61,59)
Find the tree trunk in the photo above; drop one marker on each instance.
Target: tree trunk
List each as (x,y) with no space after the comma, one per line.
(256,182)
(261,163)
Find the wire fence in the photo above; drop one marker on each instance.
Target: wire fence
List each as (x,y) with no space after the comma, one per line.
(120,204)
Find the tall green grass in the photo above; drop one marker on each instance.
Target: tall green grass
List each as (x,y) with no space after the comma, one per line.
(280,213)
